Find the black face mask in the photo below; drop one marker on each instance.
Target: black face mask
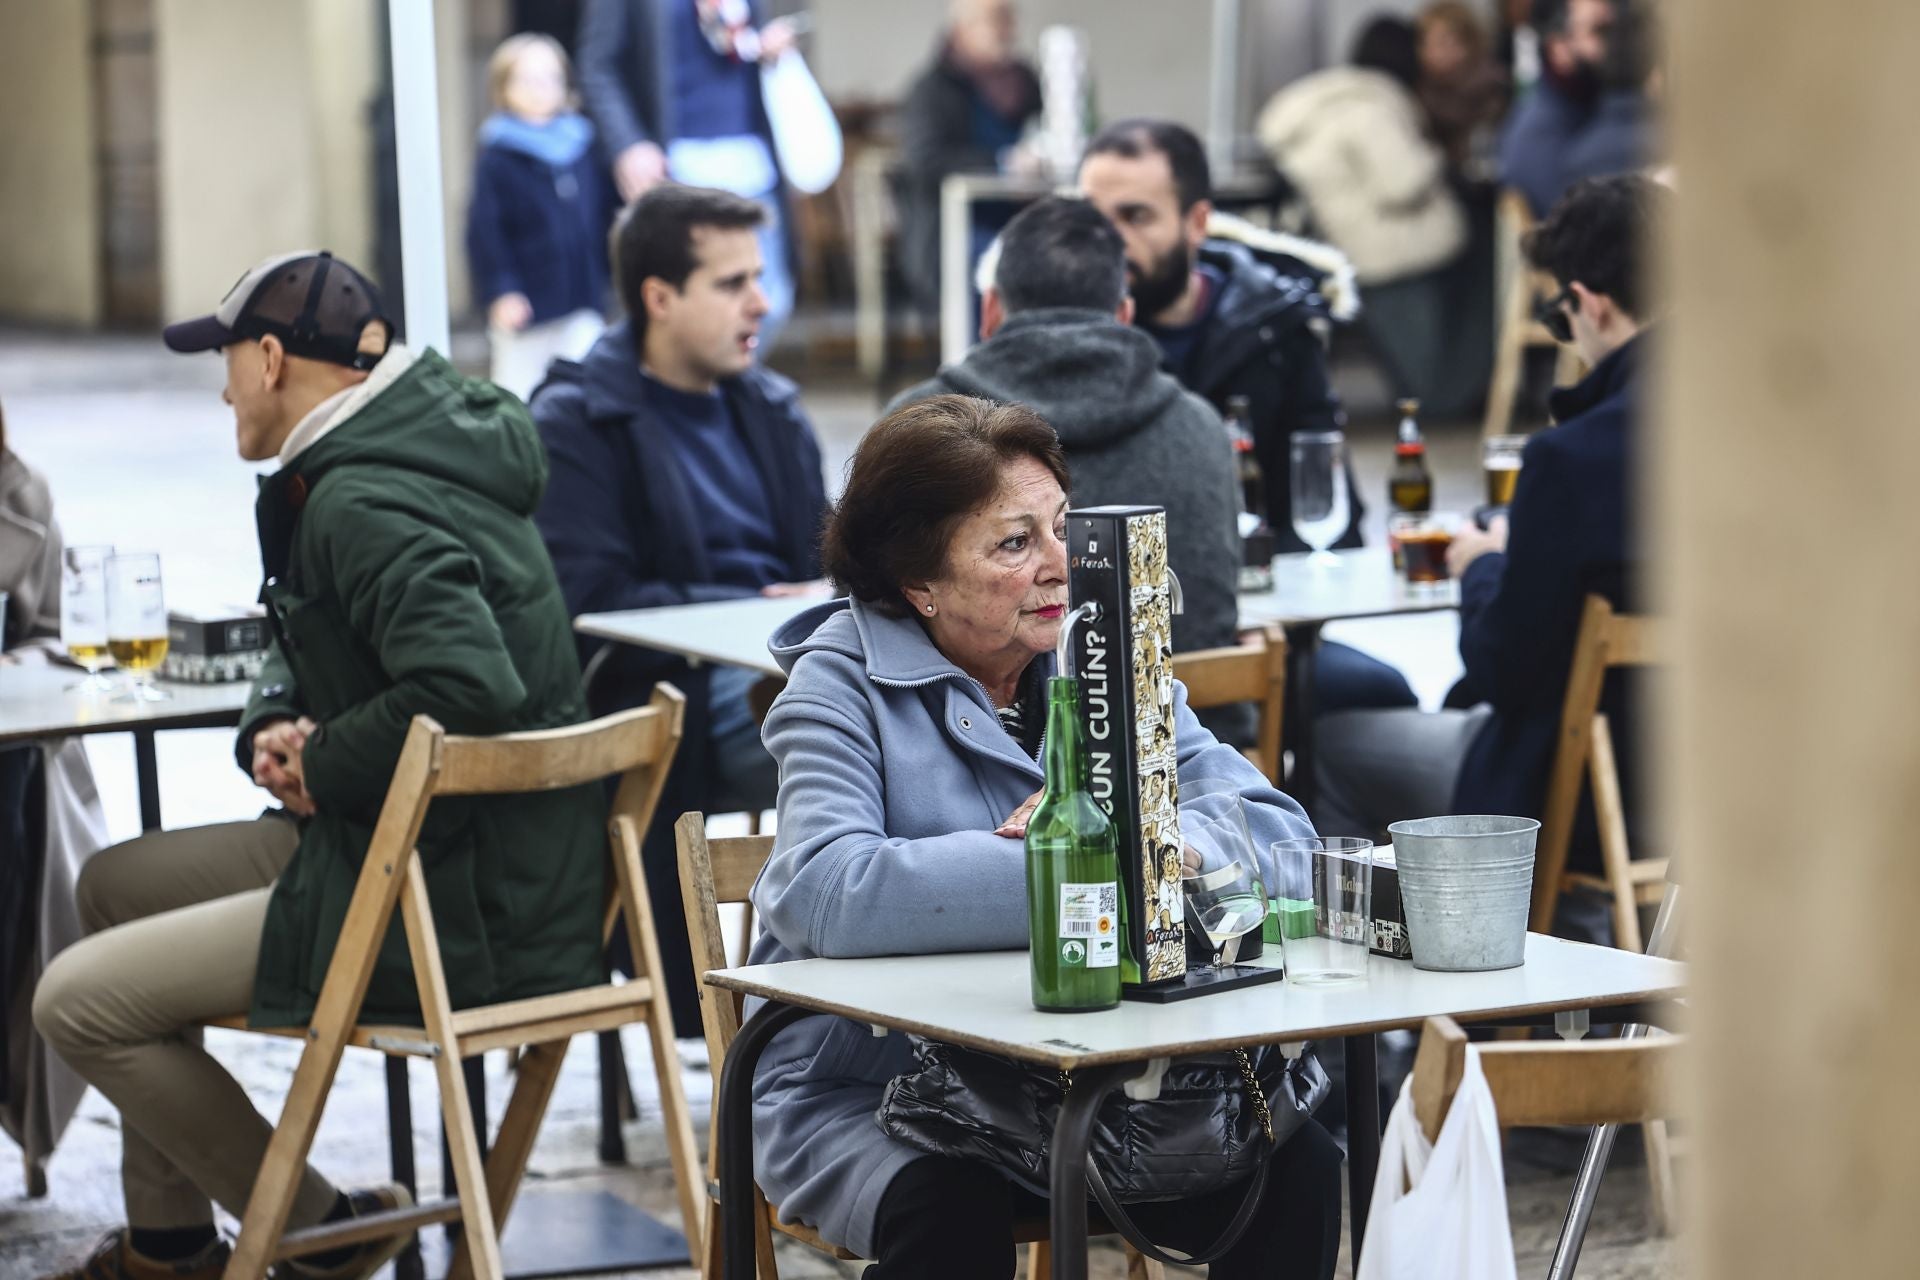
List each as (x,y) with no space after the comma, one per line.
(1161,285)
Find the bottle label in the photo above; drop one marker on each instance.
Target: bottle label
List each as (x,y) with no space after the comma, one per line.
(1090,925)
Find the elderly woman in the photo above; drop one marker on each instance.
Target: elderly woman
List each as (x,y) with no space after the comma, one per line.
(907,739)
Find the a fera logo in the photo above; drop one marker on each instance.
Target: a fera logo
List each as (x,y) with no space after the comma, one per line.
(1089,562)
(1095,677)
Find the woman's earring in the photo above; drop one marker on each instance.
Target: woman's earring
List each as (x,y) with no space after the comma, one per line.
(929,610)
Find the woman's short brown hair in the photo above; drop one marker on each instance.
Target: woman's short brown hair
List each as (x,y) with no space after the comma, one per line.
(917,474)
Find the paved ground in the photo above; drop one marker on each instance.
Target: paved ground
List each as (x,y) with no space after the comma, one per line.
(139,450)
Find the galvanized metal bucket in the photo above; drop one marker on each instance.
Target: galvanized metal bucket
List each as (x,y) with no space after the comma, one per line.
(1466,883)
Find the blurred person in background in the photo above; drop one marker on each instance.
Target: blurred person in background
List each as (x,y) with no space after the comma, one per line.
(1621,136)
(1573,530)
(1230,323)
(674,88)
(536,227)
(1547,119)
(1354,140)
(50,823)
(1461,86)
(966,113)
(682,472)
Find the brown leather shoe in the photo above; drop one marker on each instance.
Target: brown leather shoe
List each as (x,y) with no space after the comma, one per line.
(114,1259)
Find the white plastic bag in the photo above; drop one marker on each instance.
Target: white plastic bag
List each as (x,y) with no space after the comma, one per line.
(805,134)
(1440,1209)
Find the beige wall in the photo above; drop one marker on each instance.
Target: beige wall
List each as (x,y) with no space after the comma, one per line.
(238,137)
(49,204)
(1788,453)
(265,144)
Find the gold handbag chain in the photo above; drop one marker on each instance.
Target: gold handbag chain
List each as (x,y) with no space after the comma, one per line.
(1254,1091)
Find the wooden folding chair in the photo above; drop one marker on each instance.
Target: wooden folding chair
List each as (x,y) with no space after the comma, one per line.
(1516,332)
(1549,1082)
(1607,640)
(713,871)
(637,744)
(1604,1083)
(1254,670)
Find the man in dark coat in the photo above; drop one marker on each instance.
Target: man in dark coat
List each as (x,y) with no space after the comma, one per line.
(682,473)
(1231,324)
(1545,123)
(964,112)
(404,577)
(1572,533)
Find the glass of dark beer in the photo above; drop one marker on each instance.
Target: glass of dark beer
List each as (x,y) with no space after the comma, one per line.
(1424,540)
(1501,458)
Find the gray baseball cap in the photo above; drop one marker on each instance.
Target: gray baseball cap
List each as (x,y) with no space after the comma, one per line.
(317,306)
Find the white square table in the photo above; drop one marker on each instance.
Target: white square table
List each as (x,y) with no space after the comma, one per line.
(981,1001)
(37,701)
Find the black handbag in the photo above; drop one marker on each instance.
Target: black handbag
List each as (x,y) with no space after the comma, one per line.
(1217,1120)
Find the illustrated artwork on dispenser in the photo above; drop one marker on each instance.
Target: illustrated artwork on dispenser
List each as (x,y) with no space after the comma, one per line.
(1117,560)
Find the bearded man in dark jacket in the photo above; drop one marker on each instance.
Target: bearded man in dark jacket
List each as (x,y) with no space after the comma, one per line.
(1228,325)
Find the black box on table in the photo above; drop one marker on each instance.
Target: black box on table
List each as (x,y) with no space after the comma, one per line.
(215,646)
(1117,558)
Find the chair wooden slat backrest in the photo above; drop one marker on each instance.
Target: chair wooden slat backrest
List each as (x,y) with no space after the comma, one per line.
(1584,754)
(636,745)
(1516,332)
(1254,671)
(1549,1082)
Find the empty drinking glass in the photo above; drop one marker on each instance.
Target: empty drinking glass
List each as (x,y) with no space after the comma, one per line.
(83,612)
(137,621)
(1318,477)
(1325,891)
(1224,885)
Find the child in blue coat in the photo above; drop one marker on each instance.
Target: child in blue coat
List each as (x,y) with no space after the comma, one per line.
(537,227)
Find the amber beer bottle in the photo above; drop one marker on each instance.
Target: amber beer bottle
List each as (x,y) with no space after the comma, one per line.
(1410,485)
(1073,874)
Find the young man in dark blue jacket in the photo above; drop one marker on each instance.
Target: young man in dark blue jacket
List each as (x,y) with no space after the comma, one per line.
(681,472)
(1573,532)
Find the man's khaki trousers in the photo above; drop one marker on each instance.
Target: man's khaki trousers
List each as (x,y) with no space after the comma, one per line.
(173,922)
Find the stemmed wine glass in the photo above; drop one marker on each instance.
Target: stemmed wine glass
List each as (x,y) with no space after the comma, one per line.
(1226,891)
(137,622)
(1318,476)
(83,613)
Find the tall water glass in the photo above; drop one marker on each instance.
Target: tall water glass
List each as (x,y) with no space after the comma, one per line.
(1318,478)
(1325,889)
(83,613)
(137,621)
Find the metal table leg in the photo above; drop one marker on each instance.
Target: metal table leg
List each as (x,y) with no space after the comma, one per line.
(1303,651)
(1072,1135)
(146,768)
(1593,1162)
(408,1266)
(733,1115)
(1363,1133)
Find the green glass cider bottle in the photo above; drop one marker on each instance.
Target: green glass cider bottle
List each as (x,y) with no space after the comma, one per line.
(1073,874)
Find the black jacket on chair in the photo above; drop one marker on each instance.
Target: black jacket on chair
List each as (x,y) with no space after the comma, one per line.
(1571,534)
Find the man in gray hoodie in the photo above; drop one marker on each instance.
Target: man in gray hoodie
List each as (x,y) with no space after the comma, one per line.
(1057,334)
